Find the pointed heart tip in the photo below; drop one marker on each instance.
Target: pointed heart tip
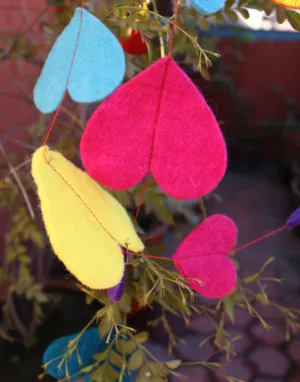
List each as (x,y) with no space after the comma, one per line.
(208,7)
(294,219)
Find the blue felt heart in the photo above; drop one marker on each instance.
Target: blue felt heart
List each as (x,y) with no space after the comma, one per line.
(98,67)
(208,6)
(89,344)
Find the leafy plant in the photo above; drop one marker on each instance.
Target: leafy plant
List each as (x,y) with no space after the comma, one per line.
(28,261)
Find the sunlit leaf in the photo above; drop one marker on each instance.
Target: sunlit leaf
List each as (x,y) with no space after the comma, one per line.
(229,304)
(135,361)
(115,358)
(281,14)
(173,364)
(141,337)
(294,19)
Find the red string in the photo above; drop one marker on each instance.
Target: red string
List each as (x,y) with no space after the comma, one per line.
(261,238)
(173,27)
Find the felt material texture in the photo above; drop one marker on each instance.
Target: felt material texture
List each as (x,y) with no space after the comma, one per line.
(115,293)
(81,220)
(294,4)
(203,255)
(89,344)
(158,121)
(294,219)
(208,6)
(98,67)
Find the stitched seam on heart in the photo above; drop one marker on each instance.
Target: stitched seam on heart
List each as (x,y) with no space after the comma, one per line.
(158,111)
(196,256)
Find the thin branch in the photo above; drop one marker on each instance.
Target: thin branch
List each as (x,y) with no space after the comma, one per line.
(18,181)
(160,36)
(16,169)
(21,328)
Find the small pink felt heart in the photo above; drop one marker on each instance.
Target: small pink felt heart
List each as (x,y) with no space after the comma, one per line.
(157,122)
(203,256)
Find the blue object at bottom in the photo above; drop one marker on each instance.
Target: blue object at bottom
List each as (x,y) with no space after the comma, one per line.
(90,343)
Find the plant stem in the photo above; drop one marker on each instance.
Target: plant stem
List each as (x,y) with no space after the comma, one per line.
(203,208)
(160,36)
(18,181)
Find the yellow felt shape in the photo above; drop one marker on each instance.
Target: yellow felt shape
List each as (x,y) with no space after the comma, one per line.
(81,220)
(295,4)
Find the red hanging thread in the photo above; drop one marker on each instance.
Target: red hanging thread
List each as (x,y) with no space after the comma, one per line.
(261,238)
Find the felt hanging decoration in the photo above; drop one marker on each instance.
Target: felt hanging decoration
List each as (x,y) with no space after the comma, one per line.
(84,223)
(203,256)
(294,219)
(90,344)
(208,6)
(133,43)
(115,293)
(96,68)
(294,4)
(158,121)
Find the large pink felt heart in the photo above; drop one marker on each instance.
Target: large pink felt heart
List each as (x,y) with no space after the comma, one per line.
(203,256)
(156,122)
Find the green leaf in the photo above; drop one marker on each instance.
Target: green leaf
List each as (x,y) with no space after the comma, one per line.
(268,7)
(87,369)
(163,214)
(244,12)
(281,14)
(37,238)
(294,19)
(99,374)
(126,347)
(141,337)
(152,372)
(232,15)
(100,356)
(251,278)
(135,361)
(229,303)
(220,19)
(115,358)
(229,3)
(104,326)
(173,365)
(111,374)
(202,23)
(125,303)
